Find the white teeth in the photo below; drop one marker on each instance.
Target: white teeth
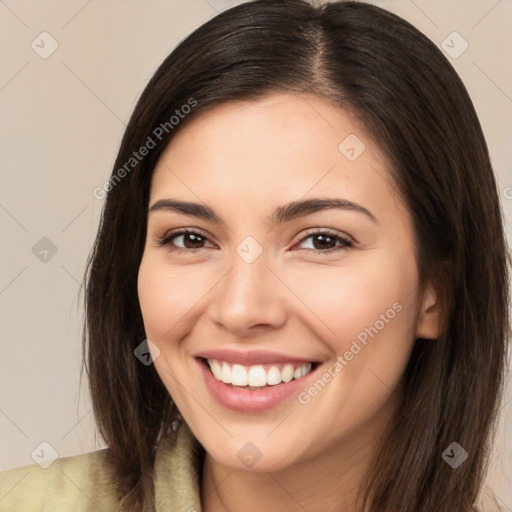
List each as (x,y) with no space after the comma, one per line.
(226,373)
(256,376)
(287,373)
(238,375)
(216,369)
(273,376)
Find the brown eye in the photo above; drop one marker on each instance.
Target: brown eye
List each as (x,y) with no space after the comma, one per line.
(186,239)
(324,241)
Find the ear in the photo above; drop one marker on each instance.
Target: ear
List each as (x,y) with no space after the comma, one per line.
(429,318)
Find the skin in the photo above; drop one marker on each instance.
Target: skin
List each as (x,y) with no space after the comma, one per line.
(243,159)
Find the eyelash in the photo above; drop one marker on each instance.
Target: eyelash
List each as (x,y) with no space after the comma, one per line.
(167,238)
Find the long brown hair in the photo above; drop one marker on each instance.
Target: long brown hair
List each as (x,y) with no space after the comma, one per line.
(418,111)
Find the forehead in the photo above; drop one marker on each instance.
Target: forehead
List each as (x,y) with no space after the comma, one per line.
(281,147)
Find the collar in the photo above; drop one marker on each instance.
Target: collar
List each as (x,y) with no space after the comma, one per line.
(178,461)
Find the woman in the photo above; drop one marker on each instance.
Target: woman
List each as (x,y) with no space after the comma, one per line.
(298,296)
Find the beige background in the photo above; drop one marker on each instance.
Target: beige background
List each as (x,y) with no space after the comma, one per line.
(62,121)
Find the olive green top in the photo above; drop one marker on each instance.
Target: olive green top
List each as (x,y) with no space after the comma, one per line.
(82,483)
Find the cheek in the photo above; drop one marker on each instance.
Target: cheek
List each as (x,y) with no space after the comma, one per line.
(365,313)
(368,314)
(346,301)
(166,296)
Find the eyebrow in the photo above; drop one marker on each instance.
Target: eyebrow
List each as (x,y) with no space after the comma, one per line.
(281,214)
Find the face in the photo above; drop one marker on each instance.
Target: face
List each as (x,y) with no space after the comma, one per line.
(318,303)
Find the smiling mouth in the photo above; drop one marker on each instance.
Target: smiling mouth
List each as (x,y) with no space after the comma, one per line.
(259,376)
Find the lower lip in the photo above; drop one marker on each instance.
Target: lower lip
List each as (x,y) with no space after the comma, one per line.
(246,400)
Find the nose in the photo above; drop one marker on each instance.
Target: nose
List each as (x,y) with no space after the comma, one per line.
(249,299)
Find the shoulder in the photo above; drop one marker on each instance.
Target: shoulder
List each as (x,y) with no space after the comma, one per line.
(80,482)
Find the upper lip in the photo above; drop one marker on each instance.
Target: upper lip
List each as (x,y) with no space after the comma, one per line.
(250,357)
